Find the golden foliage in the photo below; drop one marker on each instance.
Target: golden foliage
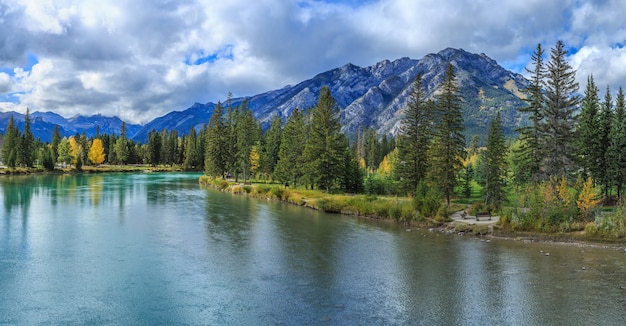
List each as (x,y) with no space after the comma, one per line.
(75,150)
(385,167)
(96,152)
(254,159)
(588,198)
(564,193)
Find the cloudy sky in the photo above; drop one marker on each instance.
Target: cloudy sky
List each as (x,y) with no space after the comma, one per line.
(139,59)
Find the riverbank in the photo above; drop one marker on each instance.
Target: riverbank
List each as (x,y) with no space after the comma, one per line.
(134,168)
(401,210)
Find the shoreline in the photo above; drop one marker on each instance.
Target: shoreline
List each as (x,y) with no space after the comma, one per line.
(492,231)
(90,169)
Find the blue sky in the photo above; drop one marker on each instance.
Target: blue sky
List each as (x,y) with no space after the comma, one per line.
(139,59)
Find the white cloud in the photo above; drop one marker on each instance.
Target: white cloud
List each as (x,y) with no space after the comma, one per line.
(5,83)
(127,58)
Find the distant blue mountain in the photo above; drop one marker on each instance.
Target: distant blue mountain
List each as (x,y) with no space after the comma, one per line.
(181,121)
(42,124)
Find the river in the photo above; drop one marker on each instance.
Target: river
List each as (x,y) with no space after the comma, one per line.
(156,249)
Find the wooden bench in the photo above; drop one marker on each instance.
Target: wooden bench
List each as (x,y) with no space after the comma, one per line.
(483,214)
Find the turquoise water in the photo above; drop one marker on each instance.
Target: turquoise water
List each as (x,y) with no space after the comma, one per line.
(156,249)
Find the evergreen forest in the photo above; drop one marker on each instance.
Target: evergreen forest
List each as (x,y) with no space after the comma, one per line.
(566,163)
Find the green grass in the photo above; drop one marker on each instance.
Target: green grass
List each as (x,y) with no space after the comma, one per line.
(378,207)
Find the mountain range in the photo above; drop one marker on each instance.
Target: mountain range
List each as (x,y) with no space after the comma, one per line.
(373,96)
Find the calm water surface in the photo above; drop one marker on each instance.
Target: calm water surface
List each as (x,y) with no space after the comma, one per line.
(155,249)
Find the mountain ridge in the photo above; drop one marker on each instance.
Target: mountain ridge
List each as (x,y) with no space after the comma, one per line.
(373,96)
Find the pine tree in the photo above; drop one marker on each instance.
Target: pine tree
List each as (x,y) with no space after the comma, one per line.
(448,147)
(27,144)
(587,129)
(414,139)
(271,145)
(289,165)
(154,148)
(468,177)
(324,150)
(191,151)
(558,116)
(11,143)
(56,138)
(351,178)
(496,164)
(247,137)
(602,174)
(530,152)
(615,153)
(216,155)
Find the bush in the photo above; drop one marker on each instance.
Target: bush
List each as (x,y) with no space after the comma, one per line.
(427,200)
(262,189)
(442,213)
(591,228)
(480,207)
(277,192)
(223,184)
(237,189)
(328,205)
(247,189)
(395,212)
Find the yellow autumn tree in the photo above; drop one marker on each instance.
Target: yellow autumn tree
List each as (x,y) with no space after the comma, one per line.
(96,152)
(254,159)
(588,198)
(385,167)
(75,150)
(566,196)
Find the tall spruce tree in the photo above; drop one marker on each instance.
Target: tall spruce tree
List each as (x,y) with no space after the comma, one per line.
(56,139)
(324,149)
(414,139)
(247,137)
(194,148)
(587,129)
(11,143)
(496,164)
(558,116)
(271,146)
(289,167)
(218,134)
(615,153)
(155,148)
(27,143)
(530,153)
(602,174)
(448,147)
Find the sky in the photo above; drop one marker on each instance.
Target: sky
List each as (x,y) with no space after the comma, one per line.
(140,59)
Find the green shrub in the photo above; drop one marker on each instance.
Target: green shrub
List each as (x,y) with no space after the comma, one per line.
(277,192)
(262,189)
(427,200)
(328,205)
(394,212)
(223,184)
(247,189)
(591,228)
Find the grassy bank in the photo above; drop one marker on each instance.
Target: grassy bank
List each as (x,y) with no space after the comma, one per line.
(397,209)
(403,210)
